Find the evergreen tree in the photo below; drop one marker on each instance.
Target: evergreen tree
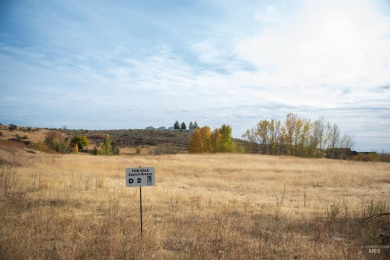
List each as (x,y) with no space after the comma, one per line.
(195,125)
(183,126)
(191,126)
(176,125)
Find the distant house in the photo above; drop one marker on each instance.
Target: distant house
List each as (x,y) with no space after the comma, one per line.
(346,153)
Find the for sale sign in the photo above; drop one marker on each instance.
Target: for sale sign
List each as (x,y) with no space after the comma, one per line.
(142,176)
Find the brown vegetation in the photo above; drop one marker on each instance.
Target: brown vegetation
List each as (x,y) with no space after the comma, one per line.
(177,140)
(219,206)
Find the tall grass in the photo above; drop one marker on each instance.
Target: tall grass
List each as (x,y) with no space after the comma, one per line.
(225,206)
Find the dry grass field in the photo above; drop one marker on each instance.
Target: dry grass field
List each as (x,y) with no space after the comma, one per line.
(220,206)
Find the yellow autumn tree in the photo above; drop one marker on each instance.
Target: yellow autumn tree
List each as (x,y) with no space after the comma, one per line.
(215,141)
(200,140)
(204,141)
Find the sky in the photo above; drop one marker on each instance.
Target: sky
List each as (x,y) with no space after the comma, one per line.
(130,64)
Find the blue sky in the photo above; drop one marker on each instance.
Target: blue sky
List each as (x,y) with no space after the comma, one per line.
(132,64)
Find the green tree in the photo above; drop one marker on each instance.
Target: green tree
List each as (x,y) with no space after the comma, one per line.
(176,125)
(183,126)
(106,147)
(109,147)
(227,144)
(191,126)
(81,141)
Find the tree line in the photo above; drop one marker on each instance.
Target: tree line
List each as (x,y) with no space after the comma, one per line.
(296,136)
(183,126)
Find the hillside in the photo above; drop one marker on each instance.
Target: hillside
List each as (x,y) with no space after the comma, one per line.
(169,141)
(128,140)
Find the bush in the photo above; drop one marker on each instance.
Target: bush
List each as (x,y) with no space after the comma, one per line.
(109,147)
(81,141)
(43,147)
(142,150)
(57,141)
(12,127)
(365,157)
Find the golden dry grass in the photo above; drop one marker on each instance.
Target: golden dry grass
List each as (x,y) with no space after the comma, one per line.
(220,206)
(34,136)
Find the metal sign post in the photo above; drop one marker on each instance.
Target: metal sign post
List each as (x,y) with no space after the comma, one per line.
(138,177)
(140,206)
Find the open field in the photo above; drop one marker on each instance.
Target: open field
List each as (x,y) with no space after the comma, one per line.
(220,206)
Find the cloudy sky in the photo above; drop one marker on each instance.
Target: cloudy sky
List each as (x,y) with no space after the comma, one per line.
(130,64)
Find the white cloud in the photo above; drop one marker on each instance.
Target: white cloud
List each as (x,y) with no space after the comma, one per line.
(333,43)
(208,51)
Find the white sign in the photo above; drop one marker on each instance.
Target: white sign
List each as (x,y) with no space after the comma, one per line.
(138,177)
